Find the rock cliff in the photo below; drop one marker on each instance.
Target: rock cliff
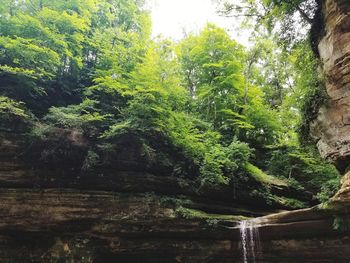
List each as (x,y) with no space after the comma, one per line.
(53,212)
(331,129)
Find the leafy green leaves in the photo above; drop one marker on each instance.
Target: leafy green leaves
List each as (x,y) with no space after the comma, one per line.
(24,57)
(91,66)
(10,108)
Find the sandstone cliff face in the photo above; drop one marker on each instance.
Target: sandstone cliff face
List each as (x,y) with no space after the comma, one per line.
(57,216)
(317,234)
(331,129)
(54,213)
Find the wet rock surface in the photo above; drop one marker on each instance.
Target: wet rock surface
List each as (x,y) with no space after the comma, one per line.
(317,234)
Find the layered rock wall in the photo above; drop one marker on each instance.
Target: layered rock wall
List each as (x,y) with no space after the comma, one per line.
(54,213)
(331,129)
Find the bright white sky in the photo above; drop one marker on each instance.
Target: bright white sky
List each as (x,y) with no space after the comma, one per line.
(171,18)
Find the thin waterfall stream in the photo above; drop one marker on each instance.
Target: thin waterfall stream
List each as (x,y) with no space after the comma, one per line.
(250,241)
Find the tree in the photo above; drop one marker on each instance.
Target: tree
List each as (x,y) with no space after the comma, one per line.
(213,66)
(41,53)
(50,49)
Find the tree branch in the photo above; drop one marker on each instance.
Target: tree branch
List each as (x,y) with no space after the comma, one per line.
(304,15)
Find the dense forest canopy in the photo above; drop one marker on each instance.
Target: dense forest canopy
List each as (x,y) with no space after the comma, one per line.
(228,112)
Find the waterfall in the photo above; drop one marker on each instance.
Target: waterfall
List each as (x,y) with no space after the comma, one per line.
(250,241)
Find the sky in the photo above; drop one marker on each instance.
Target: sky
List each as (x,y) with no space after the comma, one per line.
(171,18)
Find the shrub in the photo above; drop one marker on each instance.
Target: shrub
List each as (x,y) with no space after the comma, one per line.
(304,166)
(11,109)
(13,115)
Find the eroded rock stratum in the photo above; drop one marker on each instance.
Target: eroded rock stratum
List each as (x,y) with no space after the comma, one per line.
(53,215)
(56,213)
(331,129)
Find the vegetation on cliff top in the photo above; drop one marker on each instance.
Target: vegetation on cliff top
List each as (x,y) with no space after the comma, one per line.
(223,109)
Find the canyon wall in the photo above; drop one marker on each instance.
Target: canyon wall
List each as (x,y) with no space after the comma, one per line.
(331,129)
(54,212)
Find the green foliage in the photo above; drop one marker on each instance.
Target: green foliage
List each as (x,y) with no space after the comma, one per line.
(39,49)
(305,168)
(14,116)
(267,126)
(239,152)
(212,169)
(310,92)
(340,223)
(10,109)
(284,18)
(329,189)
(82,116)
(262,177)
(202,106)
(290,202)
(211,219)
(284,65)
(91,160)
(214,72)
(212,64)
(220,163)
(51,50)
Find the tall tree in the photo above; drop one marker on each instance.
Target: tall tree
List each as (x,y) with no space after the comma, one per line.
(52,50)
